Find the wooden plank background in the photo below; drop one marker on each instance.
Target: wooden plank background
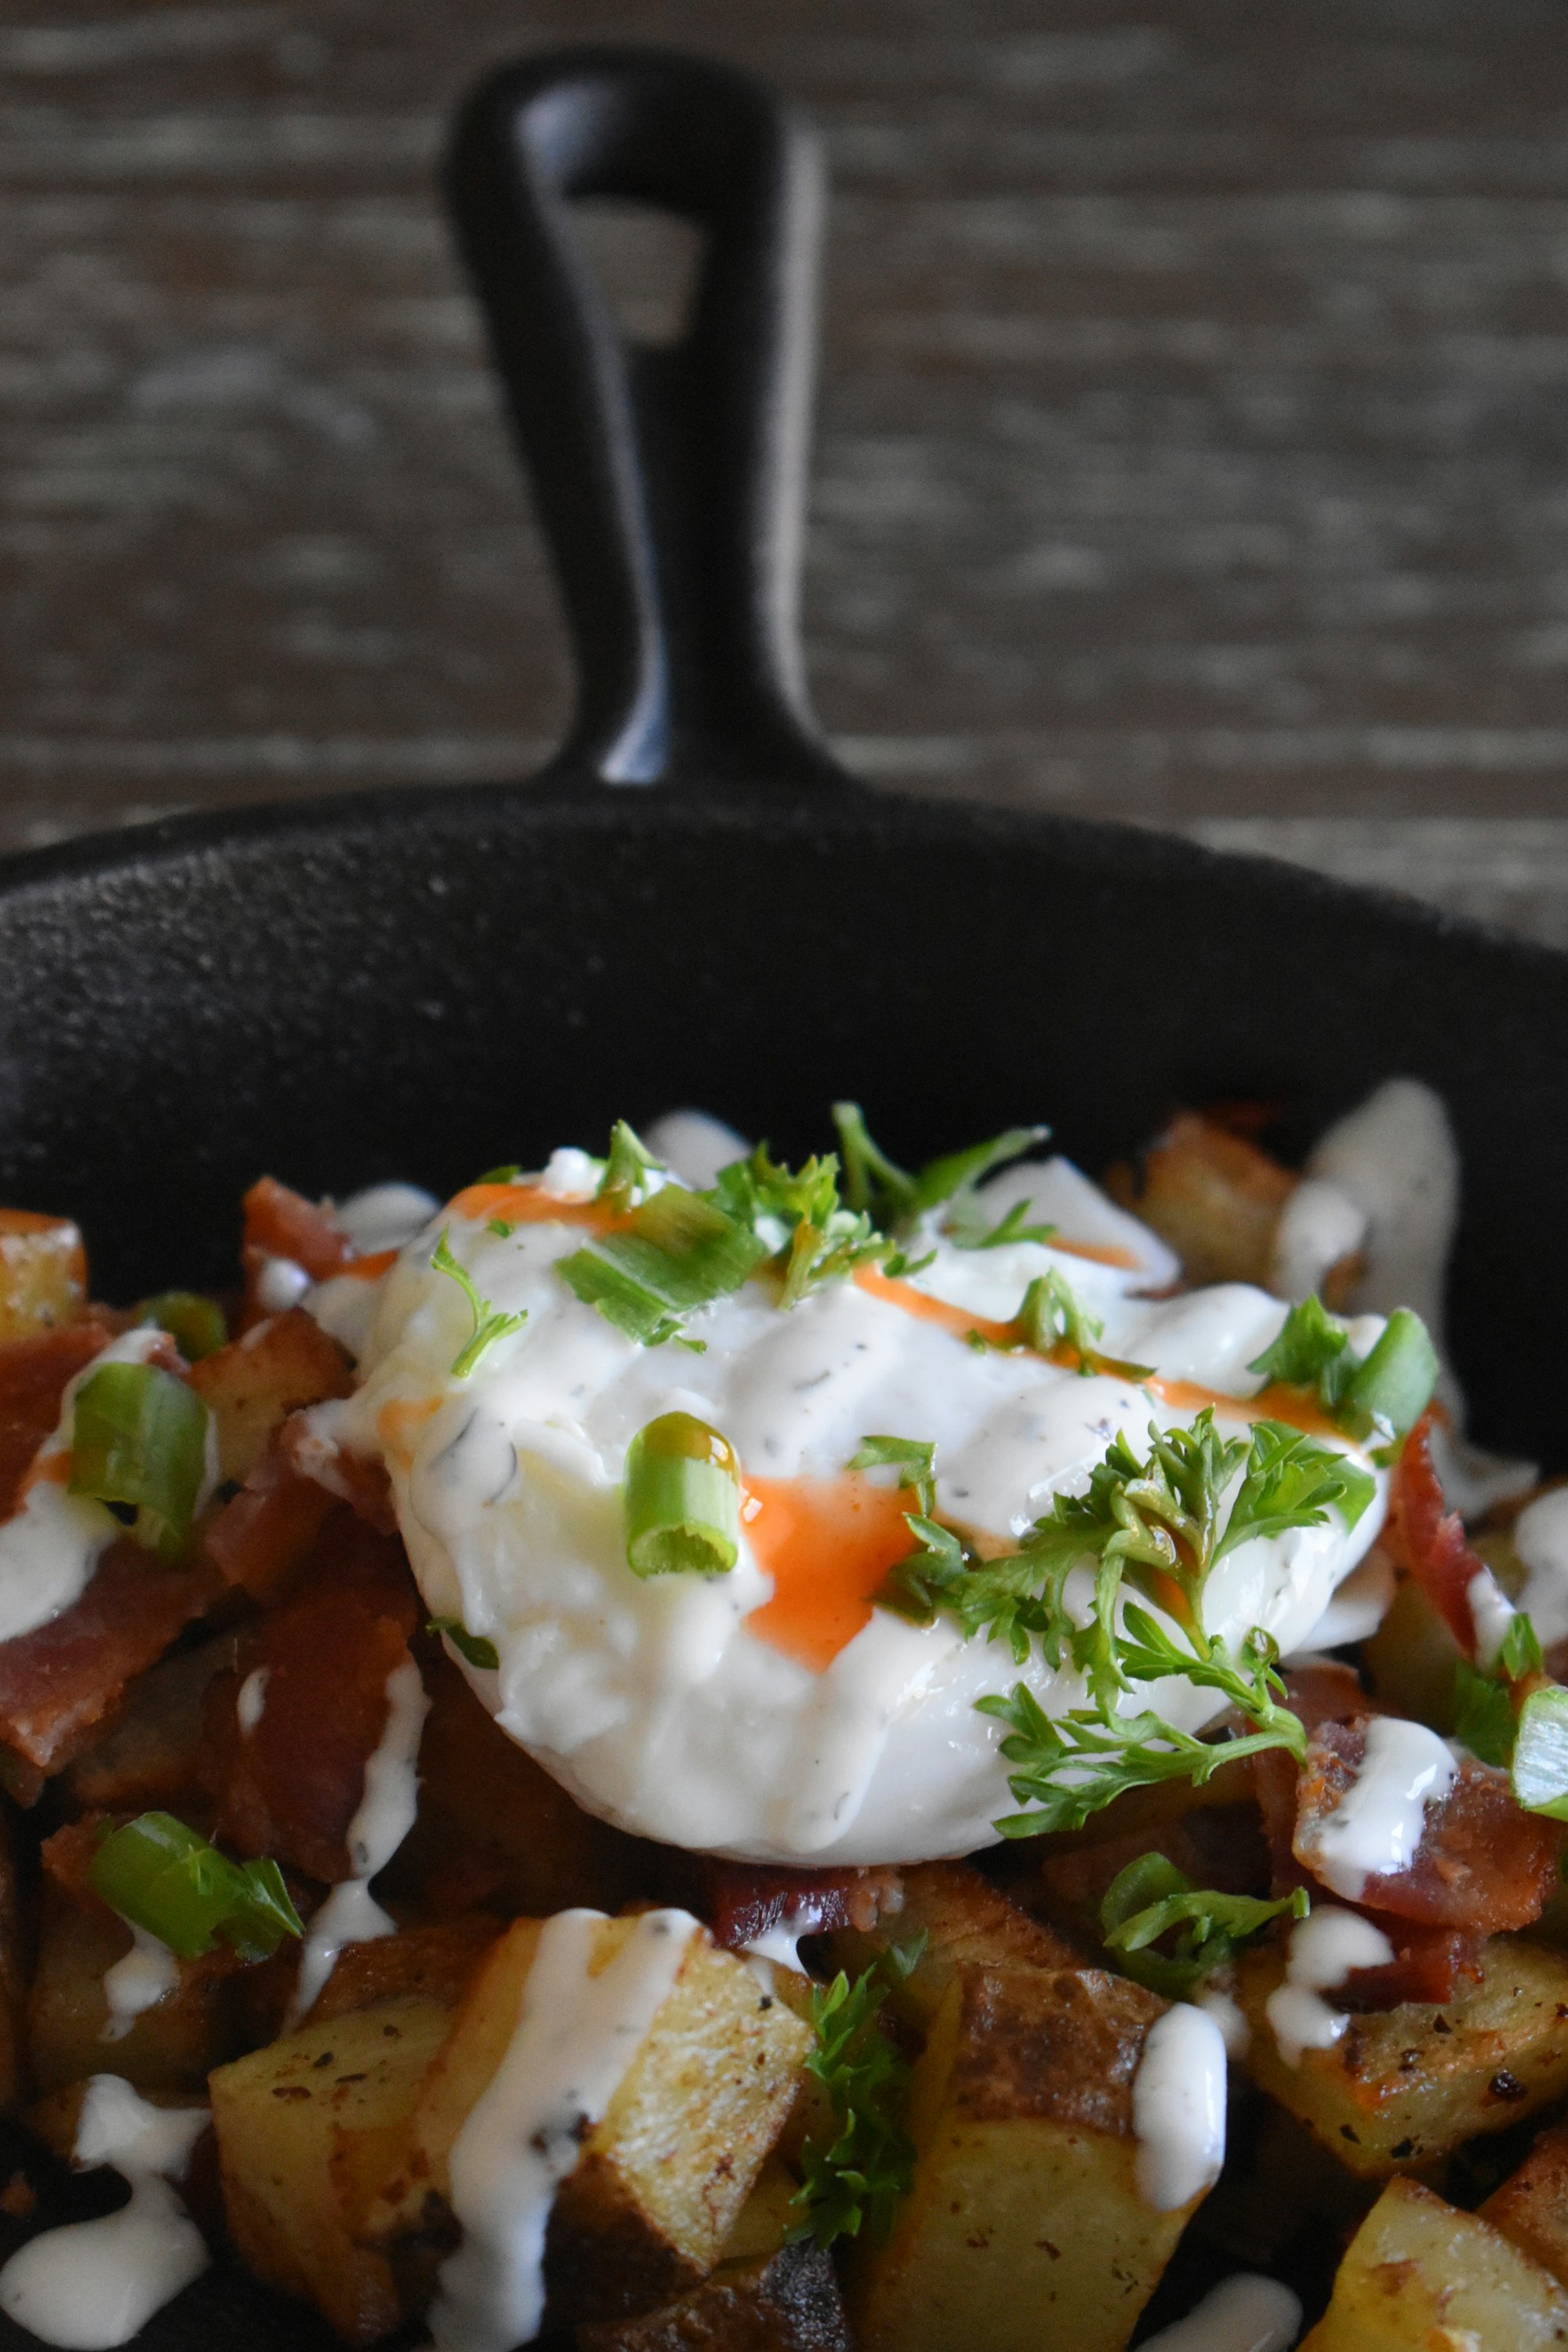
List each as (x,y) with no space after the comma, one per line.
(1192,446)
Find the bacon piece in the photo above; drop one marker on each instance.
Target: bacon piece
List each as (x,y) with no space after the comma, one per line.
(59,1682)
(1428,1540)
(1427,1962)
(281,1223)
(744,1901)
(33,1376)
(1483,1865)
(262,1538)
(290,1786)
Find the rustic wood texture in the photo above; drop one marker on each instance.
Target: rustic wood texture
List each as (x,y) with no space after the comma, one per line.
(1192,446)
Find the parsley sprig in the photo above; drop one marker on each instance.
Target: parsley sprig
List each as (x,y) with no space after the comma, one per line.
(852,2183)
(1150,1530)
(1380,1396)
(489,1324)
(1152,1903)
(899,1199)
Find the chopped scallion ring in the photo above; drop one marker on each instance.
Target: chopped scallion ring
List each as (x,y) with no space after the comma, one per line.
(682,1499)
(1540,1753)
(163,1878)
(195,1324)
(139,1440)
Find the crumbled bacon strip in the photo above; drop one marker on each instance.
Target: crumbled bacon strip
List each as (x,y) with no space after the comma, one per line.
(1483,1865)
(262,1537)
(60,1681)
(1427,1539)
(281,1223)
(1426,1966)
(290,1786)
(742,1901)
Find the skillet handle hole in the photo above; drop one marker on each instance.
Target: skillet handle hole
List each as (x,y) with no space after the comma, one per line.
(646,263)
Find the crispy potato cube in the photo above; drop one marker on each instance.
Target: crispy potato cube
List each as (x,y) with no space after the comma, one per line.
(661,2177)
(964,1919)
(433,1963)
(253,1384)
(170,2047)
(1405,2085)
(284,2117)
(1215,1197)
(765,2296)
(1025,2231)
(1532,2206)
(43,1273)
(1421,2276)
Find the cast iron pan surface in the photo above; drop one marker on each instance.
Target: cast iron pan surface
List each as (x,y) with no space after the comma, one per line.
(693,905)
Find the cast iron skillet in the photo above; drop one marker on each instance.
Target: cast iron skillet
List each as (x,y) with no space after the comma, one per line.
(693,903)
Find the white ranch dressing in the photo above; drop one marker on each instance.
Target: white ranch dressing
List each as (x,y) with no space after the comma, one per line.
(1374,1829)
(1540,1539)
(93,2284)
(280,1283)
(50,1549)
(1245,2314)
(138,1982)
(576,2035)
(350,1914)
(1325,1949)
(649,1699)
(1318,1226)
(1179,2107)
(250,1703)
(385,1216)
(1218,2001)
(1491,1614)
(694,1145)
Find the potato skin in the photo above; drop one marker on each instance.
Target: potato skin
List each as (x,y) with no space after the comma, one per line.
(1420,2276)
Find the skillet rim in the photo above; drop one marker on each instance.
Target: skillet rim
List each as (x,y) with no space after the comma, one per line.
(563,802)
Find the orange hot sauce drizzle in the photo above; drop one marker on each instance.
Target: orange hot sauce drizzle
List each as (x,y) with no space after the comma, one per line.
(1276,1403)
(827,1543)
(528,1205)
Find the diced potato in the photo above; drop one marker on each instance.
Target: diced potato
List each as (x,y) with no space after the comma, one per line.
(434,1963)
(1532,2206)
(963,1919)
(1421,2276)
(1216,1198)
(170,2047)
(148,1758)
(43,1273)
(663,2175)
(1025,2231)
(765,2296)
(286,2117)
(253,1384)
(1405,2085)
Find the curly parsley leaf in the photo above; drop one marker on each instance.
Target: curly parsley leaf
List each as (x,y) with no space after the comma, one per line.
(1151,1903)
(852,2184)
(626,1169)
(1381,1396)
(489,1324)
(810,1233)
(914,1458)
(1291,1481)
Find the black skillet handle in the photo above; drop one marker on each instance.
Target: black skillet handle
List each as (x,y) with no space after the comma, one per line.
(670,482)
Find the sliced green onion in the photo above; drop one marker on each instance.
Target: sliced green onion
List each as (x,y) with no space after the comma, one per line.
(139,1441)
(1540,1753)
(489,1324)
(1152,1897)
(163,1878)
(682,1499)
(1392,1388)
(629,1162)
(678,1251)
(504,1175)
(195,1324)
(477,1651)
